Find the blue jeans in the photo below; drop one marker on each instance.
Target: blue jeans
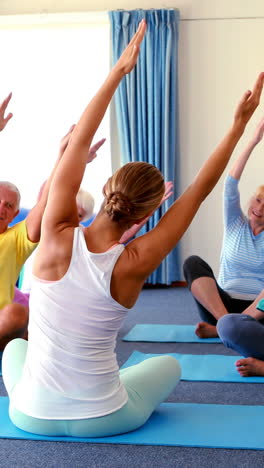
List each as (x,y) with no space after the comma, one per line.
(242,333)
(147,384)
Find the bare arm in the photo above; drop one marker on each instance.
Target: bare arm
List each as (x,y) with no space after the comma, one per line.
(150,249)
(73,163)
(240,163)
(34,218)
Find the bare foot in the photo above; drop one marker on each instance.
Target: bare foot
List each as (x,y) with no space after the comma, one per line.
(205,330)
(250,366)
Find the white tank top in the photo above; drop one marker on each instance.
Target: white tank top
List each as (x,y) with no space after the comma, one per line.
(71,371)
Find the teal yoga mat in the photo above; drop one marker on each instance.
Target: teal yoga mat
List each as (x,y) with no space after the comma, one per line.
(166,334)
(202,367)
(175,424)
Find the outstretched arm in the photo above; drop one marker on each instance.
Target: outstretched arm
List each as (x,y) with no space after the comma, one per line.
(151,248)
(240,163)
(131,232)
(34,218)
(3,106)
(72,165)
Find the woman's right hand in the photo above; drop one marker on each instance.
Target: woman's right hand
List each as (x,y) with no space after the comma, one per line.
(93,150)
(128,59)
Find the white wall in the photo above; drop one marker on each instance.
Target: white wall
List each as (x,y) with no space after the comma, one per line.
(51,84)
(221,53)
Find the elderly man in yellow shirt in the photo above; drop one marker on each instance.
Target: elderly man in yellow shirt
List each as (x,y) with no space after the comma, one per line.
(16,244)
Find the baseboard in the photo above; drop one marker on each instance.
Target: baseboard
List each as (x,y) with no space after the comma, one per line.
(174,284)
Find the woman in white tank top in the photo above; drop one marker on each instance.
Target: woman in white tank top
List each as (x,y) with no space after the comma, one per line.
(66,380)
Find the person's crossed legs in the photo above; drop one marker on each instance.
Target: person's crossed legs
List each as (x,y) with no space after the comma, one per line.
(245,335)
(212,301)
(147,383)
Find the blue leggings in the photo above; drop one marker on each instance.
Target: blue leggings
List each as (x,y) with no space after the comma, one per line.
(242,333)
(147,384)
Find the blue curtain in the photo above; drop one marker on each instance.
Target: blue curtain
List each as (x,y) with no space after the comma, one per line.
(147,106)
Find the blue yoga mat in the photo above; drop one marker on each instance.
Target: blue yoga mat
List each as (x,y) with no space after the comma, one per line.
(175,424)
(202,367)
(166,334)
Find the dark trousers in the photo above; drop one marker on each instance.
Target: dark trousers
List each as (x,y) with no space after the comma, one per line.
(195,267)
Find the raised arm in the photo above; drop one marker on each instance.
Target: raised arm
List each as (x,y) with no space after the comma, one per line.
(34,218)
(72,165)
(3,107)
(240,163)
(151,248)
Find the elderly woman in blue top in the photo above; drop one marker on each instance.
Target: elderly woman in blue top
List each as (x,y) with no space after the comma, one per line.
(241,275)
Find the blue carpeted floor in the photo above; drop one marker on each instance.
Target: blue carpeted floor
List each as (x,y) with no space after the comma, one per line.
(171,305)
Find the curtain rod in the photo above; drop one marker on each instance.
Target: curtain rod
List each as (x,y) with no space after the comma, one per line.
(84,17)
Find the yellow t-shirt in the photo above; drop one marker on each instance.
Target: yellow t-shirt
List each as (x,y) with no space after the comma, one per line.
(15,248)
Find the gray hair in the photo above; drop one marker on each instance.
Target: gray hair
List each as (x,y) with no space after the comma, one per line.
(86,201)
(12,188)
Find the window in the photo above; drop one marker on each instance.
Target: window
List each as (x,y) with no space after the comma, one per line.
(53,64)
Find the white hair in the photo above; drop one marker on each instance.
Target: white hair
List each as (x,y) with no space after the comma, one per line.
(12,188)
(86,201)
